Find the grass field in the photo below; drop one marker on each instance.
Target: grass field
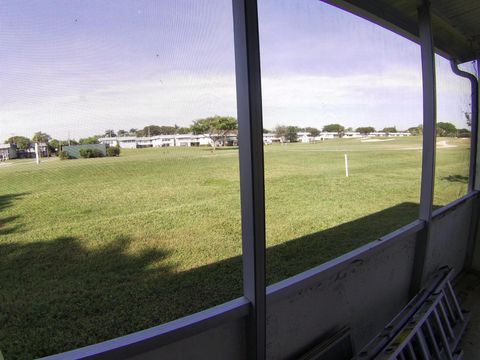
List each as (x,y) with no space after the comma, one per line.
(97,248)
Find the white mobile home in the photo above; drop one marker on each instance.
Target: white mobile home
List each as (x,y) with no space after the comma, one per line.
(132,142)
(110,141)
(352,134)
(304,137)
(270,138)
(327,135)
(7,152)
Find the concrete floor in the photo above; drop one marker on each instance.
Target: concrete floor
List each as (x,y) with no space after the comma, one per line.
(468,290)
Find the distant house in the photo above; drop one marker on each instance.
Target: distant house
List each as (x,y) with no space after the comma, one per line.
(270,138)
(30,152)
(110,141)
(352,134)
(132,142)
(143,142)
(7,152)
(304,137)
(324,135)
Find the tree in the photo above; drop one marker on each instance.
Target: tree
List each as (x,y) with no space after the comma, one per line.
(446,129)
(390,129)
(416,130)
(339,129)
(21,142)
(216,127)
(132,132)
(183,130)
(314,132)
(41,137)
(464,133)
(365,130)
(281,132)
(89,140)
(56,145)
(110,133)
(122,133)
(154,130)
(468,117)
(291,134)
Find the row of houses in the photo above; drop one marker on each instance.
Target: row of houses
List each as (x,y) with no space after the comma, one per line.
(306,137)
(10,151)
(133,142)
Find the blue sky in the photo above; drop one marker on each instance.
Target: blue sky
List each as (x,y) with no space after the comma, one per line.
(79,67)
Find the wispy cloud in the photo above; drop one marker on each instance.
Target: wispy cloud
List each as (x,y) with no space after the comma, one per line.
(184,97)
(384,99)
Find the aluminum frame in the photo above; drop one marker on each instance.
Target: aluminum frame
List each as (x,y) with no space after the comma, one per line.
(253,304)
(429,143)
(472,178)
(252,188)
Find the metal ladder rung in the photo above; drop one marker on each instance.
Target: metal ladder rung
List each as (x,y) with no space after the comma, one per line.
(455,301)
(446,303)
(446,321)
(423,344)
(432,338)
(411,352)
(432,331)
(446,345)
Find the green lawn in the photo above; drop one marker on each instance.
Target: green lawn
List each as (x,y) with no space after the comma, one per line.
(97,248)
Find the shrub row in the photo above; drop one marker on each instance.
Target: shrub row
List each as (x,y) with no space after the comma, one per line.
(63,155)
(113,151)
(90,153)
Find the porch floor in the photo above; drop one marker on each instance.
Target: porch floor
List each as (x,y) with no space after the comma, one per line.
(468,290)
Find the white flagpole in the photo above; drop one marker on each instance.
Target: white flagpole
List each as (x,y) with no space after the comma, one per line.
(37,153)
(346,165)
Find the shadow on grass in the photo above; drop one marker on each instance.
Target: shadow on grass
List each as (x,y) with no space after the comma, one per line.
(57,294)
(456,178)
(6,201)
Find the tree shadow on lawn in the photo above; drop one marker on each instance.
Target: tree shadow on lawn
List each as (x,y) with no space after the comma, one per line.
(456,178)
(7,201)
(58,295)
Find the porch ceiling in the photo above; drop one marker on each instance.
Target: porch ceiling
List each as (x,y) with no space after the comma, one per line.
(456,24)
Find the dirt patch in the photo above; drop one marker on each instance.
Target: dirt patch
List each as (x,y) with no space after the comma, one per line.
(444,144)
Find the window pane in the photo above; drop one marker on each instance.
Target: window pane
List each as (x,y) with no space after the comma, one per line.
(453,133)
(95,248)
(335,85)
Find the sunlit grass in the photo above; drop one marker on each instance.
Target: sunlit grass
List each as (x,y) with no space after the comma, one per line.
(97,248)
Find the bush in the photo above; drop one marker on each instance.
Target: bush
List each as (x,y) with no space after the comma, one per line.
(113,151)
(63,155)
(90,153)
